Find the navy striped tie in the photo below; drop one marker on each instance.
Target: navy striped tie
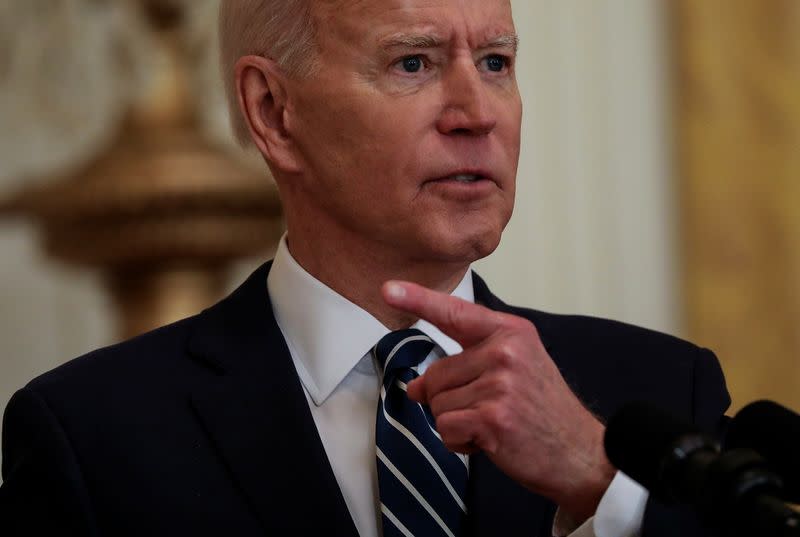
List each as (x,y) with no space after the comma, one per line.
(422,484)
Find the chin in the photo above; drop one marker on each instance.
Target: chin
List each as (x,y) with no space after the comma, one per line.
(484,246)
(477,239)
(465,247)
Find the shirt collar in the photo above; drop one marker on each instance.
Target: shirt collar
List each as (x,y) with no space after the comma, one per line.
(327,334)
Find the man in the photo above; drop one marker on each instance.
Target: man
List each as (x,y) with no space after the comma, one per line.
(392,130)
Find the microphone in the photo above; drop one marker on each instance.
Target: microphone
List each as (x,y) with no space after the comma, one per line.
(734,491)
(665,455)
(773,432)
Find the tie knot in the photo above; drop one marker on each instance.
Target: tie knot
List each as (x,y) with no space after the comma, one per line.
(402,349)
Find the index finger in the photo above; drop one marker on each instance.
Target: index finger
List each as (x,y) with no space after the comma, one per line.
(463,321)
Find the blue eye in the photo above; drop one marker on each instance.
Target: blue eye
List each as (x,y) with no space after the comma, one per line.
(496,63)
(412,64)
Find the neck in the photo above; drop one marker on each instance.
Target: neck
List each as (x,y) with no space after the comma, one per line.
(356,269)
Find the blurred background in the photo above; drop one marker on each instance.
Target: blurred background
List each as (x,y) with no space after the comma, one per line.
(659,182)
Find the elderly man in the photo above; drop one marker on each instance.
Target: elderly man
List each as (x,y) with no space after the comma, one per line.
(329,394)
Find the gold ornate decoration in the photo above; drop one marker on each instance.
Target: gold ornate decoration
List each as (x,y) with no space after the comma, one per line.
(163,211)
(738,104)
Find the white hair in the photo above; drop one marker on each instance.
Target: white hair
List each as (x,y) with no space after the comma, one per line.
(282,30)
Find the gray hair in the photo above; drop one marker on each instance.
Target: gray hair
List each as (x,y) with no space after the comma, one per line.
(282,30)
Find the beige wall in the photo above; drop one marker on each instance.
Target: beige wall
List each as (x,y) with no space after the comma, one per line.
(593,229)
(47,313)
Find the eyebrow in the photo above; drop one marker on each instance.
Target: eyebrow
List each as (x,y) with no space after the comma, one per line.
(411,41)
(504,41)
(420,41)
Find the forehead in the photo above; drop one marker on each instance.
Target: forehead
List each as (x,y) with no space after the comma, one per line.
(474,20)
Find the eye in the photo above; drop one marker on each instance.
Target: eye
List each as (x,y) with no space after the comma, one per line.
(496,63)
(412,64)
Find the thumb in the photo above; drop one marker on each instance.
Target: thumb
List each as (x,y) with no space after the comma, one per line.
(416,390)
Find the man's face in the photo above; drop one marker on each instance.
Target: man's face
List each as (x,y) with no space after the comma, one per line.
(409,133)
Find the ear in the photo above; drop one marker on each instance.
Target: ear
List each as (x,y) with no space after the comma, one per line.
(261,90)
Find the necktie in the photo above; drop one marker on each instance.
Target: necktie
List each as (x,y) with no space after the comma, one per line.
(422,484)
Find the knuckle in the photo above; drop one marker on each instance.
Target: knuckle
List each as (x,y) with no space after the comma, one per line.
(520,324)
(444,425)
(502,384)
(504,354)
(498,418)
(515,321)
(452,428)
(455,313)
(436,404)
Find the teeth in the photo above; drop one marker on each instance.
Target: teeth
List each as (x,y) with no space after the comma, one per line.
(466,178)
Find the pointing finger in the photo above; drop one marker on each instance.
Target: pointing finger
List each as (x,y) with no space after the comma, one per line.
(463,321)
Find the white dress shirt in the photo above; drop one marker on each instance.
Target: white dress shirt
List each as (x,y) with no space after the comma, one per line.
(330,340)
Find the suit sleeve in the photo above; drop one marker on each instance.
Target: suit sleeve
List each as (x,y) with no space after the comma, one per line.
(710,400)
(43,492)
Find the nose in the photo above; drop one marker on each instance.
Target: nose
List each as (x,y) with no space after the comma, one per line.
(467,106)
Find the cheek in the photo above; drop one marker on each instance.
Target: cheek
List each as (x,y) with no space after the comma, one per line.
(345,130)
(385,147)
(509,139)
(512,121)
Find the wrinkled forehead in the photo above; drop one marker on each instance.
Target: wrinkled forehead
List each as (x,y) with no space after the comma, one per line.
(474,20)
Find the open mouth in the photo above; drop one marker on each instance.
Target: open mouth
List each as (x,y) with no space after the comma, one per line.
(464,178)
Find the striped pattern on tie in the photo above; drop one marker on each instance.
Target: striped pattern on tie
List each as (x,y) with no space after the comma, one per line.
(422,484)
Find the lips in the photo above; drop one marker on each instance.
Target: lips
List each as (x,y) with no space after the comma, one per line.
(464,177)
(462,187)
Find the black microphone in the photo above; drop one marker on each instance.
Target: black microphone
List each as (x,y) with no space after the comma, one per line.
(734,491)
(773,431)
(665,455)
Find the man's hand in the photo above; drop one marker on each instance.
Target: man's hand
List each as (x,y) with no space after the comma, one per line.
(504,395)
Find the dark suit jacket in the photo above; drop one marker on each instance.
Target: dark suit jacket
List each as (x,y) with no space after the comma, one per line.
(202,428)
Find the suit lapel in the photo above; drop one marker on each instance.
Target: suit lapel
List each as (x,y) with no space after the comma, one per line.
(543,325)
(497,505)
(254,409)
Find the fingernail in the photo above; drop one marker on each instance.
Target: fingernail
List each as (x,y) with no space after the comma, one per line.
(395,290)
